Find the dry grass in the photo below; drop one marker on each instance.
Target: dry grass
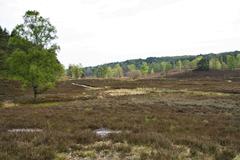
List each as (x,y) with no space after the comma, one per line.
(8,104)
(104,150)
(125,92)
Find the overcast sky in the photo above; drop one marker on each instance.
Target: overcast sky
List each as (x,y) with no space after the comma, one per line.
(93,32)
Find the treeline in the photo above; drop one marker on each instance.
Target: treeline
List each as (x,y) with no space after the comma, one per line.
(163,65)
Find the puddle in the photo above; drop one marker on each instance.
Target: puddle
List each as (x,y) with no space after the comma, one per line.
(104,132)
(24,130)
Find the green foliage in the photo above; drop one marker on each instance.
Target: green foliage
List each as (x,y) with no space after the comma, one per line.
(144,68)
(33,60)
(156,67)
(105,72)
(238,60)
(203,64)
(37,68)
(101,71)
(117,71)
(186,64)
(223,64)
(179,65)
(37,30)
(195,63)
(131,67)
(133,72)
(4,36)
(4,50)
(165,64)
(231,62)
(75,71)
(165,67)
(109,73)
(215,64)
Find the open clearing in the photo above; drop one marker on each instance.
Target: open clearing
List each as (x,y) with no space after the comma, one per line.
(143,119)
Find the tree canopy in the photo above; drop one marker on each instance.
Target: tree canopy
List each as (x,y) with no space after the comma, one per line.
(75,71)
(37,30)
(33,60)
(152,65)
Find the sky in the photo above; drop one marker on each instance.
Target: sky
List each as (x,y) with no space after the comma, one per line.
(93,32)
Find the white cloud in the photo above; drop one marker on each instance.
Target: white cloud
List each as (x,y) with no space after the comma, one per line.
(98,31)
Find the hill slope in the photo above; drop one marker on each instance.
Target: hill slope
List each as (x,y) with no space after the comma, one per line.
(176,62)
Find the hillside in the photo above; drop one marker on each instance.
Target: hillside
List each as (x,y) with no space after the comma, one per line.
(220,61)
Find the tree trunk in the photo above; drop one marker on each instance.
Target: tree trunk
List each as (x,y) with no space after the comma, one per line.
(35,93)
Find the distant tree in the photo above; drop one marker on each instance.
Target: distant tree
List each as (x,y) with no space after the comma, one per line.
(156,67)
(88,71)
(109,73)
(238,60)
(165,67)
(101,72)
(194,62)
(168,67)
(117,71)
(131,67)
(69,71)
(164,64)
(34,60)
(95,72)
(133,72)
(186,64)
(144,68)
(75,71)
(179,65)
(215,64)
(4,36)
(203,64)
(223,64)
(231,62)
